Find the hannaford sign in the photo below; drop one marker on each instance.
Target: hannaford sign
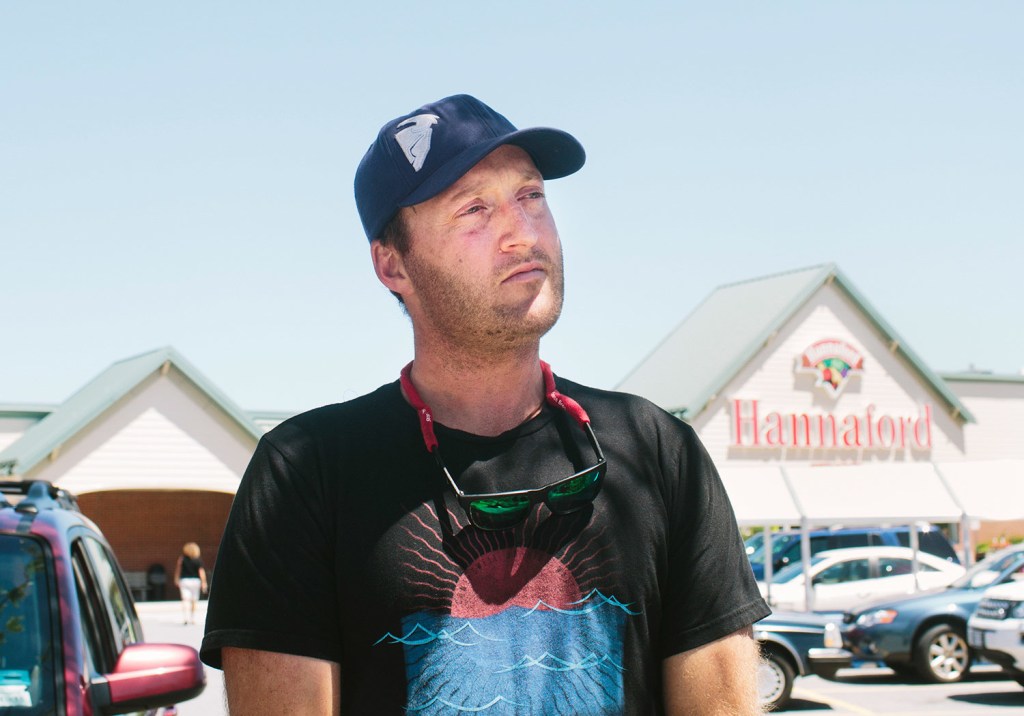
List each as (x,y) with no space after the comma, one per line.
(833,362)
(753,427)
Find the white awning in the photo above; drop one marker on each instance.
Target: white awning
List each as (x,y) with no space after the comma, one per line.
(872,493)
(875,493)
(986,489)
(760,496)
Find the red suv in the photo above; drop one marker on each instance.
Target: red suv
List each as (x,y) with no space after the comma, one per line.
(70,640)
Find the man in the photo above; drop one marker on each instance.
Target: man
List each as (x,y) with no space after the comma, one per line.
(479,535)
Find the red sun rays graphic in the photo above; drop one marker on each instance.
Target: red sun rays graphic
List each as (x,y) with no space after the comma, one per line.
(516,576)
(497,573)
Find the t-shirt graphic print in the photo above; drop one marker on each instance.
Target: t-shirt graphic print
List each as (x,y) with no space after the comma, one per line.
(513,622)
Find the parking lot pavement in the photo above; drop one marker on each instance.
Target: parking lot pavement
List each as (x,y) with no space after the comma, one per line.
(879,692)
(163,622)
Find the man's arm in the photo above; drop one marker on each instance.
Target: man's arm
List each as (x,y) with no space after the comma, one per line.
(263,683)
(717,679)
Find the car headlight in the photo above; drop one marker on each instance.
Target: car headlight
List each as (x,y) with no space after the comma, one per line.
(833,637)
(1016,610)
(879,616)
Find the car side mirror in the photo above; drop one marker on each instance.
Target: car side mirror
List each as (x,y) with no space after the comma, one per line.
(148,676)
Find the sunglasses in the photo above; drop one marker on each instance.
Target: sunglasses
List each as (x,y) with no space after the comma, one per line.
(501,510)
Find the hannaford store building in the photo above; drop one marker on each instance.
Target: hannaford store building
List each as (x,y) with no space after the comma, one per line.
(817,413)
(814,409)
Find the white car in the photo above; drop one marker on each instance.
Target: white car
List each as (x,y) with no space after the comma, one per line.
(843,578)
(996,629)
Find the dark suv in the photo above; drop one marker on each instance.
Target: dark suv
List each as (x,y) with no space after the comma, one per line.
(70,640)
(786,544)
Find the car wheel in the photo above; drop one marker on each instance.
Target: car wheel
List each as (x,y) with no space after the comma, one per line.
(941,655)
(774,681)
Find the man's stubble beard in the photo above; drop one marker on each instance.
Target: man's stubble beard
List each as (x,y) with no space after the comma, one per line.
(465,316)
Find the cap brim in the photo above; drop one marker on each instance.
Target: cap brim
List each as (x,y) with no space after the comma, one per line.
(554,152)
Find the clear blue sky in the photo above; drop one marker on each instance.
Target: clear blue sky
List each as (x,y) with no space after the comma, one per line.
(181,174)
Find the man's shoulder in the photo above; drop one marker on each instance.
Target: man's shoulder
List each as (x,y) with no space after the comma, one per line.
(367,413)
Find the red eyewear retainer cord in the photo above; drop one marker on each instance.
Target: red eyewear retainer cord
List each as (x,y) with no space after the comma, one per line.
(551,395)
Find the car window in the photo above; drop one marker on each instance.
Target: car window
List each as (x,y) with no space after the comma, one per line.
(818,544)
(27,679)
(842,541)
(781,544)
(116,600)
(793,554)
(851,570)
(97,647)
(932,542)
(781,541)
(894,567)
(936,543)
(793,570)
(754,544)
(995,568)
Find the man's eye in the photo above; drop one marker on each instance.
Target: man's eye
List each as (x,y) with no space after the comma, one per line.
(473,210)
(534,195)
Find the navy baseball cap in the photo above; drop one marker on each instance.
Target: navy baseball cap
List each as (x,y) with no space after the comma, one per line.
(420,154)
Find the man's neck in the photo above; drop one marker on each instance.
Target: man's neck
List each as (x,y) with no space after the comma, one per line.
(483,396)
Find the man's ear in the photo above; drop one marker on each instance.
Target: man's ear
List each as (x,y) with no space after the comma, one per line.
(390,268)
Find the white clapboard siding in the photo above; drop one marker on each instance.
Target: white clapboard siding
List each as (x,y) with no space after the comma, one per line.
(998,408)
(166,435)
(13,427)
(6,438)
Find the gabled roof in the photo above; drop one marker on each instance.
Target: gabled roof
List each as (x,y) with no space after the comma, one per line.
(105,390)
(25,410)
(691,366)
(976,377)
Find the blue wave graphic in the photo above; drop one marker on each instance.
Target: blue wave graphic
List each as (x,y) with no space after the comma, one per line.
(429,636)
(466,709)
(553,663)
(595,594)
(519,661)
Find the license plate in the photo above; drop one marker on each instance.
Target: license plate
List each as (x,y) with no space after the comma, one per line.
(976,638)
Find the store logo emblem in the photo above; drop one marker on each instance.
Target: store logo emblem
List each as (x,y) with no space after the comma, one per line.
(833,362)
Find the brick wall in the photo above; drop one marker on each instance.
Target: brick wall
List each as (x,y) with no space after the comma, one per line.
(148,527)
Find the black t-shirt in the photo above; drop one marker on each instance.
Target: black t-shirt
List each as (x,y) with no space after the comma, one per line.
(345,543)
(190,567)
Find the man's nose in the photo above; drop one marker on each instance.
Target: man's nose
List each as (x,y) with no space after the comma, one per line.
(518,228)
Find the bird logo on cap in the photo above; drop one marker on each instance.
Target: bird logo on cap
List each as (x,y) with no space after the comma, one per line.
(414,138)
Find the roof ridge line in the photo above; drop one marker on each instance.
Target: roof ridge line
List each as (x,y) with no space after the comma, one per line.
(831,265)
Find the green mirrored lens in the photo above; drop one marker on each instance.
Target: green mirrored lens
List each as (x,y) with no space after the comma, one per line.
(500,505)
(573,494)
(498,512)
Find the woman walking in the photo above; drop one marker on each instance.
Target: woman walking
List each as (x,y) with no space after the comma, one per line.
(190,579)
